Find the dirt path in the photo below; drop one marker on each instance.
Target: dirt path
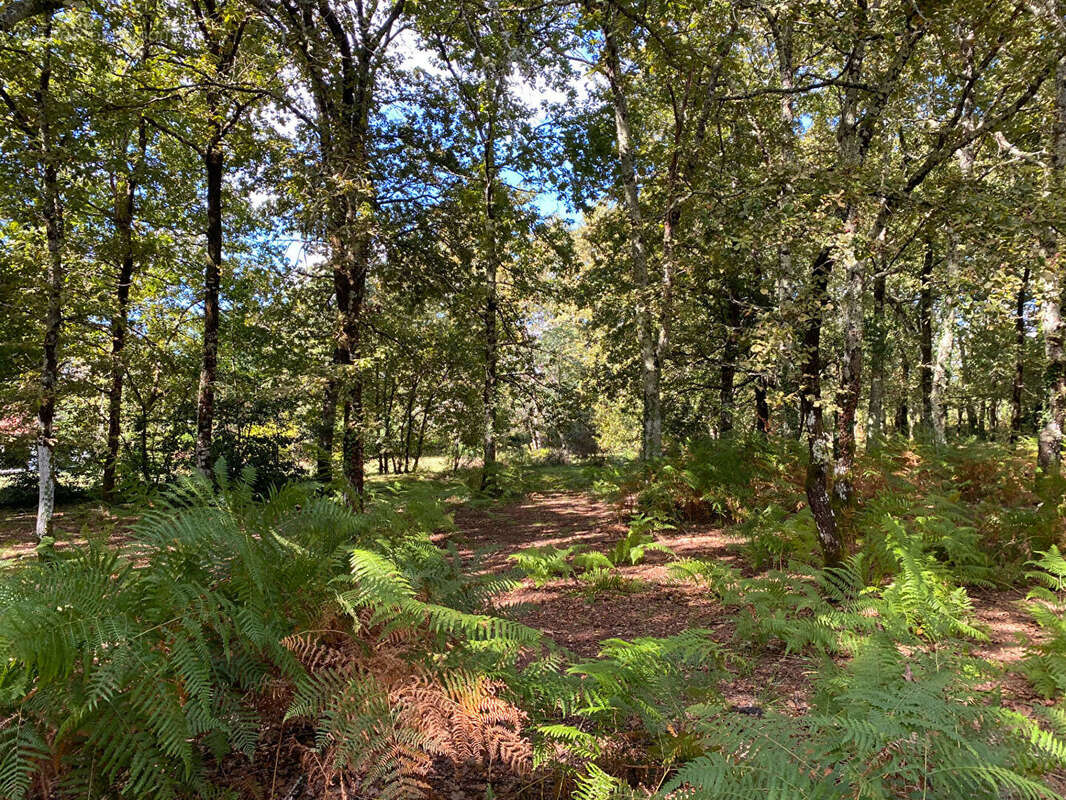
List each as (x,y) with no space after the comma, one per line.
(72,525)
(660,605)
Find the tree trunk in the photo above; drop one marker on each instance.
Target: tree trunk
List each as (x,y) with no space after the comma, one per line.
(408,426)
(945,343)
(51,211)
(205,404)
(1018,386)
(125,195)
(1053,291)
(819,446)
(422,430)
(490,313)
(875,420)
(925,334)
(647,338)
(851,366)
(762,408)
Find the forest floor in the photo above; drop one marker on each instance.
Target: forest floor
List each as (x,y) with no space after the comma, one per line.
(654,603)
(657,604)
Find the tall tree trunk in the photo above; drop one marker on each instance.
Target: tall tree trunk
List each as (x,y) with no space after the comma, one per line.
(408,426)
(819,446)
(51,212)
(925,335)
(875,420)
(945,343)
(647,337)
(124,197)
(1053,297)
(1018,386)
(851,152)
(851,366)
(490,312)
(205,403)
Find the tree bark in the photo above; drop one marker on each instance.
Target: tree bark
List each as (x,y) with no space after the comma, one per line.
(925,336)
(647,336)
(875,420)
(327,427)
(205,402)
(1018,386)
(762,408)
(944,346)
(902,421)
(819,446)
(51,211)
(851,366)
(124,198)
(1053,297)
(490,312)
(728,370)
(422,430)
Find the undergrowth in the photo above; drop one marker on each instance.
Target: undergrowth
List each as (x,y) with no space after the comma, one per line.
(139,672)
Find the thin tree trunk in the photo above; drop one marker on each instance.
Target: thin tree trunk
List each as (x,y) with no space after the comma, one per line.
(851,366)
(875,421)
(762,408)
(490,314)
(819,446)
(142,435)
(945,343)
(327,427)
(925,335)
(1053,291)
(422,430)
(408,426)
(125,195)
(1018,386)
(51,211)
(647,338)
(205,404)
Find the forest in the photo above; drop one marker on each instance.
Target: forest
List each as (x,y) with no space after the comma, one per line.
(532,399)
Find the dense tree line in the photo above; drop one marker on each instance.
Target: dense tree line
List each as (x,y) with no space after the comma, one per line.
(239,228)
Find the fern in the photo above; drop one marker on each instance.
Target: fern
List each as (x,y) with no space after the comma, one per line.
(134,680)
(542,564)
(887,725)
(639,539)
(1045,662)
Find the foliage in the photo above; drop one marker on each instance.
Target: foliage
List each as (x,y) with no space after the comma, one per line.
(544,563)
(1045,661)
(638,540)
(886,725)
(136,672)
